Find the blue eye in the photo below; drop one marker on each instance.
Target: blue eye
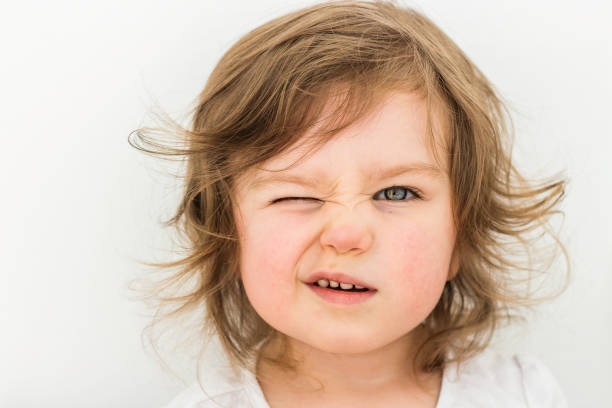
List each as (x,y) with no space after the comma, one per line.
(396,193)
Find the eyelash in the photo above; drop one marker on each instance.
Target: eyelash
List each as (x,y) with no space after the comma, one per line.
(416,195)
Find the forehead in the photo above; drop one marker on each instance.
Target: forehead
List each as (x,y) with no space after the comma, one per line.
(394,138)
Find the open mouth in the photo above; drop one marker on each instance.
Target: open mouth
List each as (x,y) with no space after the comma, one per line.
(340,289)
(342,296)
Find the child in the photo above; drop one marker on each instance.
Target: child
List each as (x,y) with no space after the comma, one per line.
(351,211)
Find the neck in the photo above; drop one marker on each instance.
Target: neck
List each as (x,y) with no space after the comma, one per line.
(367,373)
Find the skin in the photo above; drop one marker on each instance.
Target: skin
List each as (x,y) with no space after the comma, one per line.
(403,247)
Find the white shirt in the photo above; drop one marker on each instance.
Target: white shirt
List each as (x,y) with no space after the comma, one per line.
(488,380)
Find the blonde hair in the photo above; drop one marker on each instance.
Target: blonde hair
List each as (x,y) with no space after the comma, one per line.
(270,87)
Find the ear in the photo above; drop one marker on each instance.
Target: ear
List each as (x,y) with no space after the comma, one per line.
(453,267)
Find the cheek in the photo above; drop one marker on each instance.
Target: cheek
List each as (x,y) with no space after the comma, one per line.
(270,251)
(420,258)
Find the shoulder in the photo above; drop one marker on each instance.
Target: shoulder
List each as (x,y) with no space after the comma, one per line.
(220,388)
(493,379)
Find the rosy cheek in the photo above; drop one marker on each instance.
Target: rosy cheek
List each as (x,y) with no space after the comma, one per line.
(420,257)
(271,250)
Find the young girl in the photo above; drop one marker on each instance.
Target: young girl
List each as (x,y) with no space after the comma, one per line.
(352,217)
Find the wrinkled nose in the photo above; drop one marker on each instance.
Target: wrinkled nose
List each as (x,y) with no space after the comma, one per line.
(345,232)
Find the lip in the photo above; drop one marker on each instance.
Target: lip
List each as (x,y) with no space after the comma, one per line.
(341,298)
(338,277)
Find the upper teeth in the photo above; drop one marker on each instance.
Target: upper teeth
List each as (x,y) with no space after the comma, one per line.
(324,283)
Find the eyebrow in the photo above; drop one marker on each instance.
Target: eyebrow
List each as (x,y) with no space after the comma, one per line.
(378,174)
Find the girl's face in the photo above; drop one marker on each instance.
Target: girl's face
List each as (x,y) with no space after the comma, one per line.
(372,206)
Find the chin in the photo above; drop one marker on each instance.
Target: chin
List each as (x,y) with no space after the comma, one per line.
(346,344)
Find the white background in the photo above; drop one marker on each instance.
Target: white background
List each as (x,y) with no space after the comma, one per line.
(79,205)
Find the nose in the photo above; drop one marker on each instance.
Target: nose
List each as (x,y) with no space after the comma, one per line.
(345,233)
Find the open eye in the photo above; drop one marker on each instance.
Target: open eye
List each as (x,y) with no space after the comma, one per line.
(397,193)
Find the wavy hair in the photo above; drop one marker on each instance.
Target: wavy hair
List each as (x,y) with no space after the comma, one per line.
(270,88)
